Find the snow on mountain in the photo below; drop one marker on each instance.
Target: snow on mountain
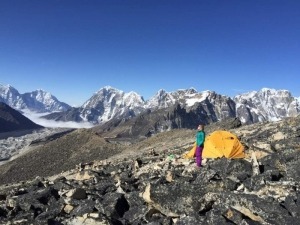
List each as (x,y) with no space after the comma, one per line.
(256,106)
(163,99)
(266,105)
(197,97)
(185,97)
(42,101)
(133,100)
(37,101)
(11,96)
(110,102)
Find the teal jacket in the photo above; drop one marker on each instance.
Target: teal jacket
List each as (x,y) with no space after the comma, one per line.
(200,137)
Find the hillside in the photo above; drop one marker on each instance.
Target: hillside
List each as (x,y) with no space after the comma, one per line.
(12,120)
(48,158)
(148,182)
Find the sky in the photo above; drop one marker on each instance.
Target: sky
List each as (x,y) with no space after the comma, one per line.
(73,48)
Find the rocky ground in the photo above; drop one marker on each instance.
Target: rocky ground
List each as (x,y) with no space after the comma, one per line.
(13,144)
(149,182)
(49,153)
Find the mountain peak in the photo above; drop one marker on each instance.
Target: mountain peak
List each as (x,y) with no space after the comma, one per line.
(41,90)
(109,102)
(274,91)
(7,88)
(37,101)
(42,96)
(161,92)
(108,89)
(5,85)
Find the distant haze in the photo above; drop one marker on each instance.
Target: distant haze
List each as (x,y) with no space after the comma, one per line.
(35,117)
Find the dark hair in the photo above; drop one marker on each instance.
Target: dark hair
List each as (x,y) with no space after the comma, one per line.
(201,125)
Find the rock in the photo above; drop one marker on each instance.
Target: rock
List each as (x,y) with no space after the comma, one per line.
(77,194)
(152,188)
(85,206)
(115,205)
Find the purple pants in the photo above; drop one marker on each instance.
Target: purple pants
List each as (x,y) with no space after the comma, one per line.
(199,150)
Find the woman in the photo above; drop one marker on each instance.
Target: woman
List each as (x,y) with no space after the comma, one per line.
(200,138)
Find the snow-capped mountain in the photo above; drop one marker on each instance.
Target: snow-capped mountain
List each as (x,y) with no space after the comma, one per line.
(37,101)
(266,105)
(207,106)
(163,99)
(11,96)
(104,105)
(110,102)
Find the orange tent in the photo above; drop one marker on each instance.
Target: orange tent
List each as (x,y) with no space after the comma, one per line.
(191,153)
(220,144)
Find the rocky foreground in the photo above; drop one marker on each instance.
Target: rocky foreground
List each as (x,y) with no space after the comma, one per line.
(158,186)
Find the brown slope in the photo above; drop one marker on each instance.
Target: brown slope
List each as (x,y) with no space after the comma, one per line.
(84,146)
(64,153)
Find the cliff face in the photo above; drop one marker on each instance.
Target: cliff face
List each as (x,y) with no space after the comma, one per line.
(150,183)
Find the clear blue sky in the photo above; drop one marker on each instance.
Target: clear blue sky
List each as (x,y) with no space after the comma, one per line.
(72,48)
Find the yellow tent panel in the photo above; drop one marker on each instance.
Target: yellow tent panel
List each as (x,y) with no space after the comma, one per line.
(219,144)
(191,153)
(222,144)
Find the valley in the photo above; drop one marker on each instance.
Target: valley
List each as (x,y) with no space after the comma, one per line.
(14,144)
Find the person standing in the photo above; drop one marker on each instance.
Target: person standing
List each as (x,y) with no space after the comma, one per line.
(200,138)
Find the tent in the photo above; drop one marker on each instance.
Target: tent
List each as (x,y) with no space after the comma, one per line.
(219,144)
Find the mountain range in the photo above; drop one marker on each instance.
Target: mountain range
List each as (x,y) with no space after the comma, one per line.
(187,106)
(38,101)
